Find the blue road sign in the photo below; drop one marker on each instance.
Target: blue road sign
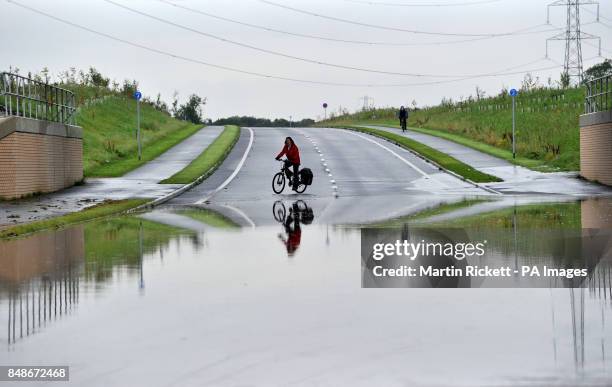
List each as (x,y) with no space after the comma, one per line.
(513,92)
(137,95)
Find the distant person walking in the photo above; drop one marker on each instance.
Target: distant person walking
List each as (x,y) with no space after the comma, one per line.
(403,117)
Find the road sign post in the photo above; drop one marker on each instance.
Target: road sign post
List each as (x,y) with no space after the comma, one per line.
(325,109)
(513,94)
(137,97)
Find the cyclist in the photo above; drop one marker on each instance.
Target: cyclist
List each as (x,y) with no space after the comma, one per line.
(403,117)
(293,160)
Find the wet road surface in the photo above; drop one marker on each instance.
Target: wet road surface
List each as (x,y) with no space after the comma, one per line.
(357,179)
(130,302)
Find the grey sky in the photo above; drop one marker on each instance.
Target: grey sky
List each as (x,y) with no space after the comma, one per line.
(31,41)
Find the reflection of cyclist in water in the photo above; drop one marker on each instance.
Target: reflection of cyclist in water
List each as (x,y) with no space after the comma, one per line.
(299,213)
(293,231)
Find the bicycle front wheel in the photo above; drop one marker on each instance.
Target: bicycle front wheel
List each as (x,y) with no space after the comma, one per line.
(279,211)
(278,182)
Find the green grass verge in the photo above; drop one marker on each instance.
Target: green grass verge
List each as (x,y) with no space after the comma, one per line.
(211,218)
(537,165)
(109,135)
(546,124)
(98,211)
(442,159)
(543,216)
(440,209)
(209,159)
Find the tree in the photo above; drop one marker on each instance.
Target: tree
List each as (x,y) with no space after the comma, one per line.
(480,93)
(564,80)
(97,79)
(599,70)
(175,106)
(529,82)
(191,110)
(262,122)
(45,74)
(129,88)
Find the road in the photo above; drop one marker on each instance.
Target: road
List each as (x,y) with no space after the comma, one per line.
(357,179)
(516,179)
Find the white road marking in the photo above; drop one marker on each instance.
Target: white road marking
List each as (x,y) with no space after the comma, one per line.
(419,170)
(325,166)
(233,175)
(242,214)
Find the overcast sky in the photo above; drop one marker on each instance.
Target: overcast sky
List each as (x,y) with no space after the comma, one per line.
(31,41)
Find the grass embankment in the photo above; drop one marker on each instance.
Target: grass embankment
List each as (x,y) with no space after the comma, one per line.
(440,158)
(211,218)
(101,210)
(544,216)
(547,136)
(109,135)
(209,159)
(442,208)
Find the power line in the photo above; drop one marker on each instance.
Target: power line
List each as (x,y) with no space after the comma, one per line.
(599,47)
(380,27)
(271,52)
(254,73)
(598,17)
(458,4)
(523,31)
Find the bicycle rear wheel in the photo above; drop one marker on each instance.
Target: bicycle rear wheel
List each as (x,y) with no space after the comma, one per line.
(278,182)
(301,188)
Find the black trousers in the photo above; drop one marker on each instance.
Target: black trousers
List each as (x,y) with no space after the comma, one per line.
(295,167)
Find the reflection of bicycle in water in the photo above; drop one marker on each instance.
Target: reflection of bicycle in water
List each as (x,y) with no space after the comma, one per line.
(297,214)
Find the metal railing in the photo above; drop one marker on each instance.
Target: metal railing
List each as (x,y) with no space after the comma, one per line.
(598,95)
(25,97)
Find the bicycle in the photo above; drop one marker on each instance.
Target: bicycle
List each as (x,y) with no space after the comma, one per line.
(280,179)
(299,209)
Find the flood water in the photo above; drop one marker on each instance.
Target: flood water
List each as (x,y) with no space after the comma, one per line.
(127,301)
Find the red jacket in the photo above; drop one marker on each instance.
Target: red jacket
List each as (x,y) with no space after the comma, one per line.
(293,154)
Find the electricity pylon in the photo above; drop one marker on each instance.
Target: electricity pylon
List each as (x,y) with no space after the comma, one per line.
(572,36)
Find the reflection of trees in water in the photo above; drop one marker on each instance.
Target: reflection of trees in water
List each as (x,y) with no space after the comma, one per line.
(599,283)
(41,301)
(120,242)
(599,289)
(40,275)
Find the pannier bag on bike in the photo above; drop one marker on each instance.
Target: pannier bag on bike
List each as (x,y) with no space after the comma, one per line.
(307,216)
(306,176)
